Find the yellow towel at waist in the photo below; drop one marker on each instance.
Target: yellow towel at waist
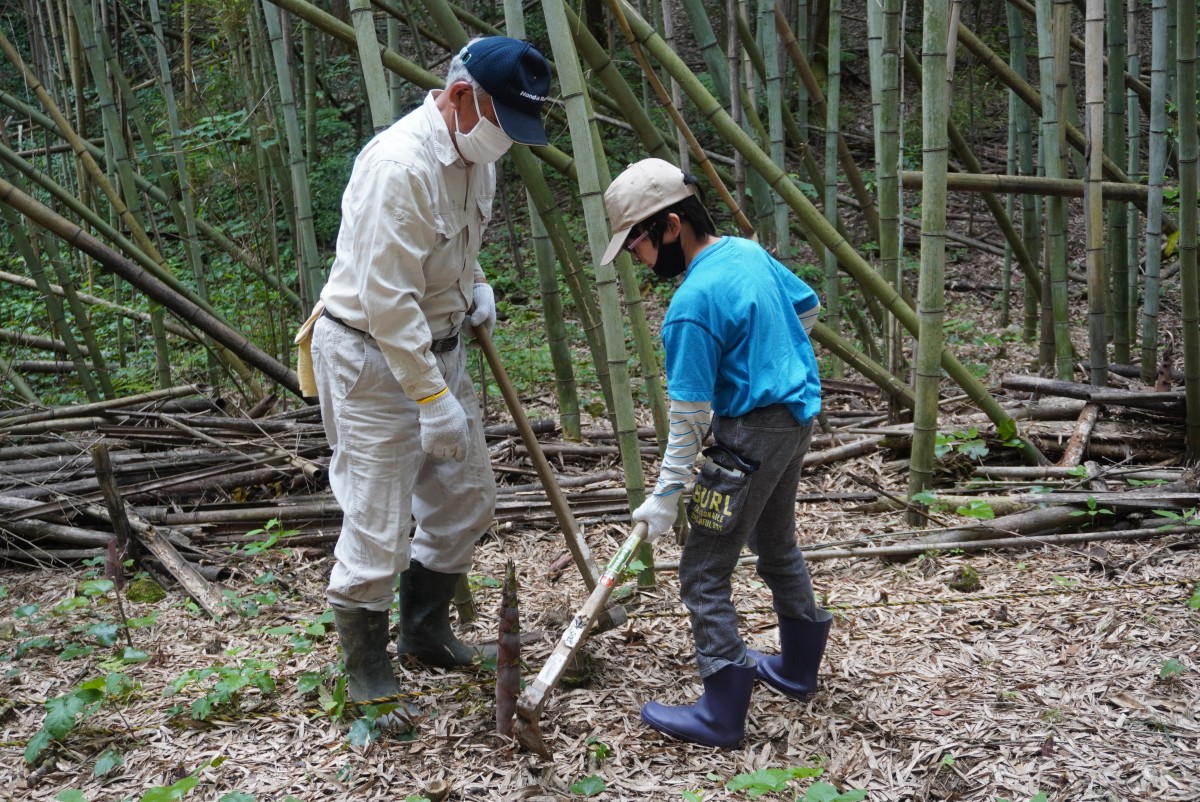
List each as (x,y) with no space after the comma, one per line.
(304,364)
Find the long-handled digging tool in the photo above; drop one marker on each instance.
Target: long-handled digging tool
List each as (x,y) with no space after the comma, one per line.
(610,617)
(532,701)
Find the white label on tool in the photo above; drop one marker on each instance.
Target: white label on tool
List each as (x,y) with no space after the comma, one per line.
(552,667)
(575,631)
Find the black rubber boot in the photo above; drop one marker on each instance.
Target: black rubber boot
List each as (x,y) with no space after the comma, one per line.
(793,672)
(425,633)
(718,718)
(364,637)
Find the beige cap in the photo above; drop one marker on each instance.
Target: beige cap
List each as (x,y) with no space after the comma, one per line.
(644,188)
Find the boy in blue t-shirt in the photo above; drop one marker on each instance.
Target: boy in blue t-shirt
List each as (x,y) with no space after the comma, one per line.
(738,361)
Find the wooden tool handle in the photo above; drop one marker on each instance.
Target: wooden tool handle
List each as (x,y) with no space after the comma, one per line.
(533,698)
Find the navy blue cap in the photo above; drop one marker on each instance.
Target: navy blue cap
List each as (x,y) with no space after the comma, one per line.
(517,78)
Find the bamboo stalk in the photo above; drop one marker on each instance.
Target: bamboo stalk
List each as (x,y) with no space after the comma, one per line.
(312,265)
(1056,331)
(1189,272)
(1030,209)
(833,70)
(1075,447)
(1133,134)
(1116,245)
(935,147)
(378,97)
(1093,206)
(774,78)
(593,178)
(891,225)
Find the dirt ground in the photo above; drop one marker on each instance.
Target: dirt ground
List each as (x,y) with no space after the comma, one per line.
(1064,673)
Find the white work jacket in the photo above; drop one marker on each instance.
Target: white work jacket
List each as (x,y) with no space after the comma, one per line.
(413,217)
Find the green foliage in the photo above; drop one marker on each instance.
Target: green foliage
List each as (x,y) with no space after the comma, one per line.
(968,443)
(1194,601)
(597,749)
(977,508)
(1171,668)
(477,581)
(249,605)
(1145,482)
(302,637)
(329,171)
(65,713)
(1093,510)
(108,761)
(1186,518)
(590,785)
(227,689)
(824,792)
(770,780)
(1038,797)
(929,500)
(180,788)
(273,530)
(333,700)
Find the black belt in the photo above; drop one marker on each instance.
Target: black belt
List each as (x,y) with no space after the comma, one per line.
(441,346)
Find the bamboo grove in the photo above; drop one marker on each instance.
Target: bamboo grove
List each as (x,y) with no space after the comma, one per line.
(170,174)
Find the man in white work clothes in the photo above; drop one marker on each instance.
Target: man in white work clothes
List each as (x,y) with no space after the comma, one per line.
(396,400)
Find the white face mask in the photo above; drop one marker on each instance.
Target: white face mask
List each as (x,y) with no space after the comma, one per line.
(483,144)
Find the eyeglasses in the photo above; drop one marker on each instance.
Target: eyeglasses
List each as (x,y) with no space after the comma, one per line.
(631,245)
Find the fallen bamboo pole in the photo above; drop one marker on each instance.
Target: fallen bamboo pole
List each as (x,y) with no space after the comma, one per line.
(1075,447)
(1050,472)
(917,548)
(1027,185)
(87,410)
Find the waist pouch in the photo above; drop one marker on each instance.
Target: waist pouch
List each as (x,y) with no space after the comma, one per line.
(720,491)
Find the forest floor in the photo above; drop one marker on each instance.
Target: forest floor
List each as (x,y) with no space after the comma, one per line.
(1071,672)
(1067,672)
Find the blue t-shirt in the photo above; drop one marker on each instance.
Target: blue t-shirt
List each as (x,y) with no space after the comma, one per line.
(733,336)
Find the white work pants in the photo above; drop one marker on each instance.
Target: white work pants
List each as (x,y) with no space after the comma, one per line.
(383,480)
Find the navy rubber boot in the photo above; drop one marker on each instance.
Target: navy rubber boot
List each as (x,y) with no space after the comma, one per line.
(718,718)
(793,672)
(425,632)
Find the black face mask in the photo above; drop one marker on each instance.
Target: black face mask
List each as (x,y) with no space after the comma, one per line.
(670,260)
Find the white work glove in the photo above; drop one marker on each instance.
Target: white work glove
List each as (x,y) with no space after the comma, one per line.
(658,513)
(443,427)
(484,311)
(689,425)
